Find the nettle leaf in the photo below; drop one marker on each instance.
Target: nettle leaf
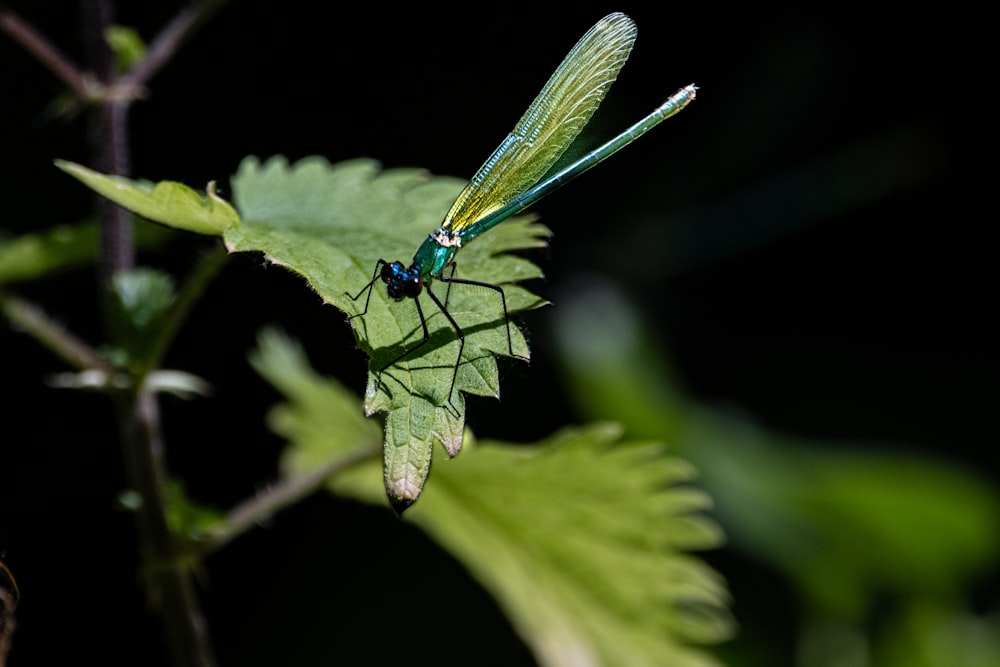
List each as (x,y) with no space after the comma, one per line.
(172,204)
(331,224)
(584,540)
(317,411)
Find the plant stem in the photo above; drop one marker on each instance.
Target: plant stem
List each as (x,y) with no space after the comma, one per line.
(9,597)
(265,505)
(108,136)
(52,334)
(193,288)
(169,585)
(46,53)
(169,40)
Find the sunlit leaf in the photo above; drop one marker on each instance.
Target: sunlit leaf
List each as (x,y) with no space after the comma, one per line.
(330,224)
(323,416)
(585,540)
(172,204)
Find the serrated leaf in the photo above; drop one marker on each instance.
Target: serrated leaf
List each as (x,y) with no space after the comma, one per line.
(583,539)
(317,411)
(172,204)
(803,506)
(331,224)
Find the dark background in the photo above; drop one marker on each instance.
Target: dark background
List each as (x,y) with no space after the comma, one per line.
(807,237)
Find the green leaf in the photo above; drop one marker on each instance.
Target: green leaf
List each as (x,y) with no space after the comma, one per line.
(322,415)
(331,224)
(172,204)
(890,503)
(126,45)
(31,256)
(187,519)
(936,634)
(138,307)
(849,524)
(584,540)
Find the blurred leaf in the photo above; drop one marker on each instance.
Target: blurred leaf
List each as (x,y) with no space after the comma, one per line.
(126,45)
(584,540)
(849,524)
(938,635)
(177,383)
(322,417)
(139,303)
(188,519)
(31,256)
(892,504)
(172,204)
(614,367)
(330,224)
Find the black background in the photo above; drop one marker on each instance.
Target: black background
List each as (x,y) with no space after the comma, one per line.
(810,237)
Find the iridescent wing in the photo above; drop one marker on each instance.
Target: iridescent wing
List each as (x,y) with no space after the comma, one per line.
(552,122)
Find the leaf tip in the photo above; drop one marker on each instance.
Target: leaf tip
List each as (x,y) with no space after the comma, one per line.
(68,166)
(400,504)
(453,445)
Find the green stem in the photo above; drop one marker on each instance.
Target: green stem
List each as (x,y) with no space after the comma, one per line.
(193,288)
(169,584)
(265,505)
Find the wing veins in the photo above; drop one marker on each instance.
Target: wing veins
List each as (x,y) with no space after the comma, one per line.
(550,125)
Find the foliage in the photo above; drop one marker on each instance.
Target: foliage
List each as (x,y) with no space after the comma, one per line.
(62,248)
(848,525)
(330,224)
(167,202)
(582,538)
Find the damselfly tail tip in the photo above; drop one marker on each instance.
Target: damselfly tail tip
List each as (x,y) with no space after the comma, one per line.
(683,97)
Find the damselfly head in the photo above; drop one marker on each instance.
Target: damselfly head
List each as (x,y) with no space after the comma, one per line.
(401,283)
